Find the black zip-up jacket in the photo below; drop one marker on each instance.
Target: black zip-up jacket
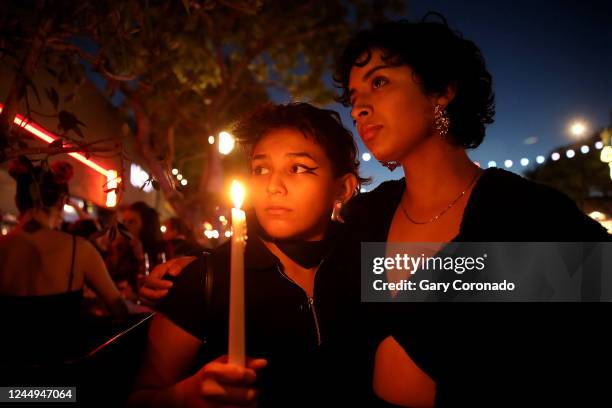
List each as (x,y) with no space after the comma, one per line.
(317,355)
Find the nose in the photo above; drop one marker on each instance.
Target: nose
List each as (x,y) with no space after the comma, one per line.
(361,111)
(276,185)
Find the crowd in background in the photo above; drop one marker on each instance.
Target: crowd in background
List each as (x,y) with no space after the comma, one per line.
(132,255)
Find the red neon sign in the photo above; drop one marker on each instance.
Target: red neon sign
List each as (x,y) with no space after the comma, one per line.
(45,135)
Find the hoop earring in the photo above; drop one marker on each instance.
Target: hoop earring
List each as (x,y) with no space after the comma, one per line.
(441,121)
(391,165)
(335,215)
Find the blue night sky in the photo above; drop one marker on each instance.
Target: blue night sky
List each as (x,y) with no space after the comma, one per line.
(551,63)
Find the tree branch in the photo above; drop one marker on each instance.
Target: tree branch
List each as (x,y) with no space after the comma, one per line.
(52,151)
(96,61)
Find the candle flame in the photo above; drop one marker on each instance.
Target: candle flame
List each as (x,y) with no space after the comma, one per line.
(238,194)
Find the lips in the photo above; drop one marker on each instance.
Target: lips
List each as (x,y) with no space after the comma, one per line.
(276,210)
(368,132)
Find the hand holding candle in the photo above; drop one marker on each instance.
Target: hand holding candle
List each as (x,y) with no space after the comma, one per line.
(236,353)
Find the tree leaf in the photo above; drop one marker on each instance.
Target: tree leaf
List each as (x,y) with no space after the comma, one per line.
(31,85)
(145,184)
(53,96)
(78,131)
(67,122)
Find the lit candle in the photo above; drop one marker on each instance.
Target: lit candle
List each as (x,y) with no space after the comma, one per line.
(236,354)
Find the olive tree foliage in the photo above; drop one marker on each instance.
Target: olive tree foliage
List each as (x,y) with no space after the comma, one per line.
(183,70)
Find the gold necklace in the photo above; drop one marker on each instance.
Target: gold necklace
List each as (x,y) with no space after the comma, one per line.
(444,210)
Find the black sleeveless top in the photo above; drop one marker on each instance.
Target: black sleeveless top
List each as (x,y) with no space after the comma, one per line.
(39,328)
(499,354)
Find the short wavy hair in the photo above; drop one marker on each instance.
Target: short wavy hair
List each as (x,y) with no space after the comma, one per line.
(324,126)
(440,57)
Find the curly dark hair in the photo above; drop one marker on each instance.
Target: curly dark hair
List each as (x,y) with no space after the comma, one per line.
(323,125)
(440,57)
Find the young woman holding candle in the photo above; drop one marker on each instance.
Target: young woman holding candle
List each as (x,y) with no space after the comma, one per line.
(420,96)
(303,168)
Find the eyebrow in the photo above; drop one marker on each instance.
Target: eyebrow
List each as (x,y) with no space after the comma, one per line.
(296,154)
(368,75)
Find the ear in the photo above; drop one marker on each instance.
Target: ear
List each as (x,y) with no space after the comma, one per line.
(445,98)
(348,185)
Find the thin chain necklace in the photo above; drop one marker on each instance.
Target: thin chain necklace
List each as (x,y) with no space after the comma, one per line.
(444,210)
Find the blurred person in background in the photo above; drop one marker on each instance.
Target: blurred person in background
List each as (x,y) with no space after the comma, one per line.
(143,224)
(134,256)
(179,239)
(43,270)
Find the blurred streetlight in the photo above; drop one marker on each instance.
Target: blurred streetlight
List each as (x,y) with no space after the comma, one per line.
(492,164)
(578,129)
(226,143)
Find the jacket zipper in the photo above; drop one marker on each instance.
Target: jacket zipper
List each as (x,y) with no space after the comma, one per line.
(311,305)
(310,299)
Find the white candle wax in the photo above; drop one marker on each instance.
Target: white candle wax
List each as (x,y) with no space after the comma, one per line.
(236,346)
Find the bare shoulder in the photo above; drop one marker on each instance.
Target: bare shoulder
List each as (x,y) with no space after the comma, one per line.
(15,241)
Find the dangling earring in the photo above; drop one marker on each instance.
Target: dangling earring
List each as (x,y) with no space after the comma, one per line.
(441,121)
(335,215)
(391,165)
